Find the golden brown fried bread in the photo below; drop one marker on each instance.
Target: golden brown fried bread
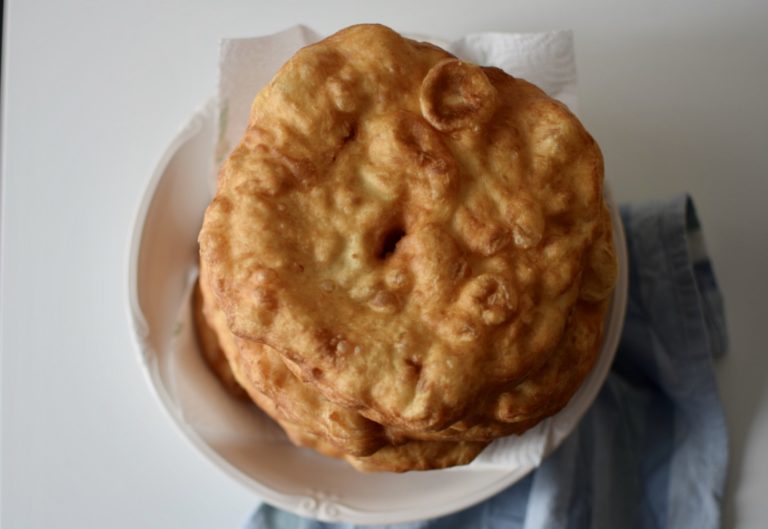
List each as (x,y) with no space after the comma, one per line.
(262,374)
(413,455)
(210,348)
(343,440)
(419,240)
(410,455)
(261,371)
(273,387)
(520,408)
(403,457)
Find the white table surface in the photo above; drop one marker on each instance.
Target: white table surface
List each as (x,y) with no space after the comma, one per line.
(675,92)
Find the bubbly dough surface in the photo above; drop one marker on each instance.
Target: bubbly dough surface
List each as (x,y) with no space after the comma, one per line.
(266,377)
(307,418)
(409,232)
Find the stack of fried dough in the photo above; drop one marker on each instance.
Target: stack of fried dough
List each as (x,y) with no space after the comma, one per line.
(407,256)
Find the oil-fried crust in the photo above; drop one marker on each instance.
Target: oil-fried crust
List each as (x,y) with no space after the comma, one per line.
(209,345)
(409,232)
(308,419)
(413,455)
(273,387)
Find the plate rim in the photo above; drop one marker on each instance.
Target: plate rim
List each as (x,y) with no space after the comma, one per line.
(318,506)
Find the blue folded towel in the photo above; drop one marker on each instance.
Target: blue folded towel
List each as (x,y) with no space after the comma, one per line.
(652,450)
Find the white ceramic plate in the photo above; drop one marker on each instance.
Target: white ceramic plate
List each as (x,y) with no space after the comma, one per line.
(163,258)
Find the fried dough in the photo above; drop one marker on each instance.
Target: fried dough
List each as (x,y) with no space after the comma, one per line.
(318,424)
(408,230)
(407,253)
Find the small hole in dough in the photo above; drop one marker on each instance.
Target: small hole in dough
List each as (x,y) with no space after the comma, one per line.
(389,242)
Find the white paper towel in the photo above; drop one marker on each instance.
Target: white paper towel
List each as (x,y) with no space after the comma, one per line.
(246,65)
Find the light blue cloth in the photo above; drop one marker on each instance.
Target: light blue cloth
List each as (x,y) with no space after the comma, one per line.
(652,450)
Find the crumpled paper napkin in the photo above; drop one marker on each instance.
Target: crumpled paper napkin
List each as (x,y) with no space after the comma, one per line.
(246,65)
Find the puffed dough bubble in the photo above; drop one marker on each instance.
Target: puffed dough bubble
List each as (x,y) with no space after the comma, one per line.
(456,95)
